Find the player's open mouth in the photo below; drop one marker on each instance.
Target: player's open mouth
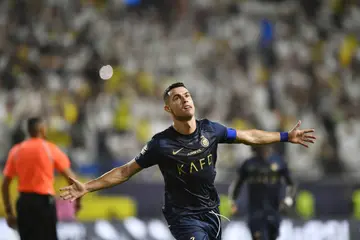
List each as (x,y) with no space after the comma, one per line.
(187,107)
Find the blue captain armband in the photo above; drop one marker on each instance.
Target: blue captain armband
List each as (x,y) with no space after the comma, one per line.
(231,135)
(284,136)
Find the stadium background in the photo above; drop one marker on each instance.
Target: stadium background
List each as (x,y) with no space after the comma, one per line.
(253,63)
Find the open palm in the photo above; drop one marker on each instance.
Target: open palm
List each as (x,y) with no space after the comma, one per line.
(302,137)
(74,191)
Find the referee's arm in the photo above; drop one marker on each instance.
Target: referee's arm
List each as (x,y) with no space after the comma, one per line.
(68,175)
(62,165)
(5,189)
(9,174)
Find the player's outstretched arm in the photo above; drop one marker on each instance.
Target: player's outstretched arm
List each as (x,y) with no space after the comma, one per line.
(259,137)
(114,177)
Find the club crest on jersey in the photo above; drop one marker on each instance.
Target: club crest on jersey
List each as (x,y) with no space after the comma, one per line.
(204,142)
(274,167)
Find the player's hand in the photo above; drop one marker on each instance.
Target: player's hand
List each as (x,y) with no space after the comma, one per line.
(11,221)
(74,191)
(303,137)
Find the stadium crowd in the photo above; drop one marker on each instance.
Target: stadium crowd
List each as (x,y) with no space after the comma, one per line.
(249,64)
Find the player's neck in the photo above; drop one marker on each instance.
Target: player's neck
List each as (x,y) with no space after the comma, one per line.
(185,128)
(38,136)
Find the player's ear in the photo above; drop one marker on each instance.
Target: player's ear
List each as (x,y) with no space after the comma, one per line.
(167,109)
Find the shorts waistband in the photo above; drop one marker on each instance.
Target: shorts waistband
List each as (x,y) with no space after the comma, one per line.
(34,195)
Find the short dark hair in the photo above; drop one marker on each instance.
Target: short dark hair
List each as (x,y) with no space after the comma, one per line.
(33,126)
(171,87)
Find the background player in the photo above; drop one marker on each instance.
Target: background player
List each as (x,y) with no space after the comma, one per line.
(33,161)
(264,173)
(186,154)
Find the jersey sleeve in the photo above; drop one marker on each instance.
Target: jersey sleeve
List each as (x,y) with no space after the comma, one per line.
(61,161)
(10,170)
(223,134)
(149,155)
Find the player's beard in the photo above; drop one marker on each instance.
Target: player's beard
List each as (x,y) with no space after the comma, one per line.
(182,118)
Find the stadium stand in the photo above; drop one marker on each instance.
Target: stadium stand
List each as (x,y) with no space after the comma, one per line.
(249,63)
(285,61)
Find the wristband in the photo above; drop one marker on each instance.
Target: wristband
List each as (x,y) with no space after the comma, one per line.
(284,136)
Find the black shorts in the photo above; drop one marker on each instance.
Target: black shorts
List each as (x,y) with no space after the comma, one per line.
(264,228)
(202,226)
(36,217)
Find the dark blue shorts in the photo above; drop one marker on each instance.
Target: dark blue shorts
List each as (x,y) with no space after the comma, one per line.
(264,228)
(203,226)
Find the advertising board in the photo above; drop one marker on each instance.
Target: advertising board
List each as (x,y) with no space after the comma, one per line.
(156,229)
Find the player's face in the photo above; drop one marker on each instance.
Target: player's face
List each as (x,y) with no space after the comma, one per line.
(180,104)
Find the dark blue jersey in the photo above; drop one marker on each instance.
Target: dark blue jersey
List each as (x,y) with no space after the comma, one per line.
(265,183)
(187,163)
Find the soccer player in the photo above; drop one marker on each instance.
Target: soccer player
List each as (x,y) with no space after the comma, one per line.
(264,173)
(186,154)
(33,161)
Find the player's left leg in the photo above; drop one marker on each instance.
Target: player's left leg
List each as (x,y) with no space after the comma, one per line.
(203,226)
(189,228)
(190,234)
(213,220)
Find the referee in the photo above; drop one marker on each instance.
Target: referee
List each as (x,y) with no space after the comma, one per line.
(33,162)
